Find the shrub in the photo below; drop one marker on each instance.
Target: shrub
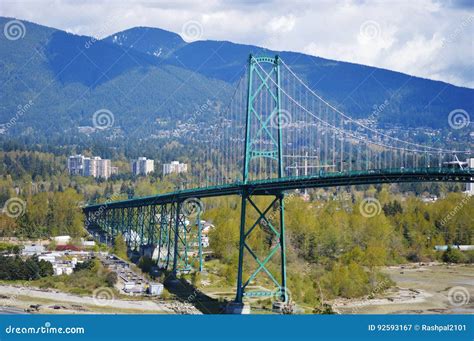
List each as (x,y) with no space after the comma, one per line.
(346,280)
(453,255)
(469,255)
(86,265)
(111,279)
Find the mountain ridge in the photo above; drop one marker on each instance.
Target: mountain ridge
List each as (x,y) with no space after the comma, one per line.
(73,76)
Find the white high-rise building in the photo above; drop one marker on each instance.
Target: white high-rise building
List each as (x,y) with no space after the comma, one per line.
(142,166)
(90,168)
(75,164)
(103,168)
(174,167)
(86,166)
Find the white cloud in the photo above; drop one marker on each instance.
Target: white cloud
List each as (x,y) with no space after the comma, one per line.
(282,24)
(427,38)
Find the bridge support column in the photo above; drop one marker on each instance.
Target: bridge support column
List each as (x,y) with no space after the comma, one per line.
(180,256)
(199,227)
(240,289)
(164,237)
(284,293)
(176,239)
(129,225)
(273,223)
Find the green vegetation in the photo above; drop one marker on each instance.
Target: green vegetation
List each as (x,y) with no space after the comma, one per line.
(53,198)
(332,249)
(86,265)
(120,247)
(15,268)
(46,214)
(87,276)
(335,251)
(111,279)
(159,100)
(454,255)
(90,276)
(10,248)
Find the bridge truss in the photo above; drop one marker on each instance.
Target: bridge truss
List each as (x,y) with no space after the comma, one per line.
(282,120)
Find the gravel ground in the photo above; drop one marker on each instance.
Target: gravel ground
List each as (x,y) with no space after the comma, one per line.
(19,297)
(430,288)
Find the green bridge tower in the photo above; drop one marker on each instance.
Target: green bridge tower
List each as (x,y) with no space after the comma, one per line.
(263,123)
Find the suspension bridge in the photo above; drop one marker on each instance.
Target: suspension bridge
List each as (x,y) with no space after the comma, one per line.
(276,135)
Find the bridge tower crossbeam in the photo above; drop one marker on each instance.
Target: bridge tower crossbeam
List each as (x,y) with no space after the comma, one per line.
(258,124)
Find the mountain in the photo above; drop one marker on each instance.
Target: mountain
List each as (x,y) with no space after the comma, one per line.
(69,77)
(151,41)
(356,89)
(151,80)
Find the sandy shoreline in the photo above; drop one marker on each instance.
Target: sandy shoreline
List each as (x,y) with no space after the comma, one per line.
(419,289)
(425,288)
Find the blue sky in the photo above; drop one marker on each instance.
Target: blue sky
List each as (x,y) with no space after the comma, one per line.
(426,38)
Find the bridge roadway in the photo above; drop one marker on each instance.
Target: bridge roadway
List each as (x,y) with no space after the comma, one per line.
(277,185)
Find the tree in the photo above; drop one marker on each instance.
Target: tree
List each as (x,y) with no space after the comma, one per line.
(14,268)
(86,265)
(123,188)
(120,248)
(45,268)
(32,269)
(65,216)
(111,279)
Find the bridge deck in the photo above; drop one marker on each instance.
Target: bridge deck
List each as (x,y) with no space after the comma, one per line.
(272,186)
